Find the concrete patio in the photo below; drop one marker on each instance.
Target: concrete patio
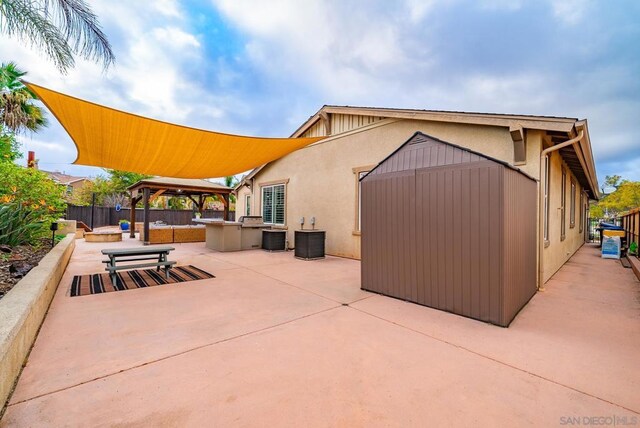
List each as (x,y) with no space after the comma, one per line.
(275,341)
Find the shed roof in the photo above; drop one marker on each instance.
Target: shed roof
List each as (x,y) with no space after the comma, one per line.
(450,154)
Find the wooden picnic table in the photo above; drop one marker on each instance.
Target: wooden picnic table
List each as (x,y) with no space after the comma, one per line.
(137,254)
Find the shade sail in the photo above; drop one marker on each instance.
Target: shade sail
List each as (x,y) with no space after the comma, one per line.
(110,138)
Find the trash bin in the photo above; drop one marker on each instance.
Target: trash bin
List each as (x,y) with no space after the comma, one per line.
(609,226)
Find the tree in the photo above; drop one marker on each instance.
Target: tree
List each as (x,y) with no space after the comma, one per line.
(60,28)
(110,190)
(121,180)
(9,148)
(611,181)
(32,189)
(231,181)
(17,111)
(625,197)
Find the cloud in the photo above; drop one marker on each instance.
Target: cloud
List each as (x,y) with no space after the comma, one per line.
(262,68)
(493,55)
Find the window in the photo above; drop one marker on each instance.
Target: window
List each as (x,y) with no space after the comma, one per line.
(273,209)
(547,179)
(572,205)
(247,205)
(563,205)
(582,212)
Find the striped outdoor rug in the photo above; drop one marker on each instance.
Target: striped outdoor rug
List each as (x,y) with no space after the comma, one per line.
(83,285)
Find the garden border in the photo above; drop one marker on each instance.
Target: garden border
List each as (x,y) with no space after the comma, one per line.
(22,311)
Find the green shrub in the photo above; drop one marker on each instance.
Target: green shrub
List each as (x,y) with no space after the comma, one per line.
(19,225)
(32,189)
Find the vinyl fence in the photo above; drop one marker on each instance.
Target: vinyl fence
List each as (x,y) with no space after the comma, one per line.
(108,216)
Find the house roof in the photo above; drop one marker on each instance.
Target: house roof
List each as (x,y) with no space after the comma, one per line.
(560,129)
(552,123)
(62,178)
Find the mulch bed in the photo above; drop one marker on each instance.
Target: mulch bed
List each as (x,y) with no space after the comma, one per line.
(97,283)
(25,255)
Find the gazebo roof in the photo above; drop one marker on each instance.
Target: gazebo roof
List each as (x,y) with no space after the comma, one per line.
(181,186)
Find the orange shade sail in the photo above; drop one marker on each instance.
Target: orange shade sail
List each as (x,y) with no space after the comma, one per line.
(114,139)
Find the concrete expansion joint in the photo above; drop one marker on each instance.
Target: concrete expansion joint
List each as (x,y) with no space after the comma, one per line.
(637,412)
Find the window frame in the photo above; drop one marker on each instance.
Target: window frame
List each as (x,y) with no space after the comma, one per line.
(247,204)
(546,190)
(582,213)
(563,205)
(572,205)
(273,185)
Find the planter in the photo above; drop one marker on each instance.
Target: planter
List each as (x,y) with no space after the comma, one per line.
(124,226)
(23,309)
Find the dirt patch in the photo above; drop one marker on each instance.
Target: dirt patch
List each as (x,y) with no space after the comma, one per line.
(23,258)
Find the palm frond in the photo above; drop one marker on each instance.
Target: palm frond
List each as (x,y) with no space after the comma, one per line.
(22,19)
(80,26)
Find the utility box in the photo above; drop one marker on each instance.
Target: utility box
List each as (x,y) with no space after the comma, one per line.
(449,228)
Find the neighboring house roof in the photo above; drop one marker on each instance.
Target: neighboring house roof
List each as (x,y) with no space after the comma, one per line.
(560,129)
(62,178)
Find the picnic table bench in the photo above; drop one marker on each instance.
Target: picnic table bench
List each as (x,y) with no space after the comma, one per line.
(137,254)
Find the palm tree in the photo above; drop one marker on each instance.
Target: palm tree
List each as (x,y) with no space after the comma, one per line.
(231,181)
(61,28)
(17,111)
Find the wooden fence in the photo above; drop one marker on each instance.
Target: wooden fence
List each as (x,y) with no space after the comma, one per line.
(108,216)
(630,221)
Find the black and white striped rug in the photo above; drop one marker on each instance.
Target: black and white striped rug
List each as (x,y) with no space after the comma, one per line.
(82,285)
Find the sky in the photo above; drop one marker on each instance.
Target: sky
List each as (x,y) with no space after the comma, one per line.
(262,68)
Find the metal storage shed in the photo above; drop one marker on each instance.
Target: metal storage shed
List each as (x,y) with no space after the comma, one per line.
(449,228)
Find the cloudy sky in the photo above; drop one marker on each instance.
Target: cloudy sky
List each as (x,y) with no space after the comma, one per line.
(261,68)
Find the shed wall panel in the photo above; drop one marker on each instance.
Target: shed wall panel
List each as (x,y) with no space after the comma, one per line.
(456,273)
(450,229)
(519,243)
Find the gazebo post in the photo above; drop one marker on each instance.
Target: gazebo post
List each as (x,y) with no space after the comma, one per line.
(201,200)
(145,193)
(226,206)
(132,226)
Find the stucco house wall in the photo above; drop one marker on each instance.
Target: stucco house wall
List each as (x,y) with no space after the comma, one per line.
(321,180)
(559,250)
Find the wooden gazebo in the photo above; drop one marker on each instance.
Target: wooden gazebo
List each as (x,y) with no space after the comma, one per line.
(194,189)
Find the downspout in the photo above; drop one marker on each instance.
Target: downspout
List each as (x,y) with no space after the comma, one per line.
(543,185)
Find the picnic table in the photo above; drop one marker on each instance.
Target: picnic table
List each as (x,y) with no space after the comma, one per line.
(137,254)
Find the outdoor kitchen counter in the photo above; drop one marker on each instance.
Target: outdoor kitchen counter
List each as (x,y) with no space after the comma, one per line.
(231,235)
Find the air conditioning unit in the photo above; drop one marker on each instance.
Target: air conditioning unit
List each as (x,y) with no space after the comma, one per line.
(309,244)
(274,240)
